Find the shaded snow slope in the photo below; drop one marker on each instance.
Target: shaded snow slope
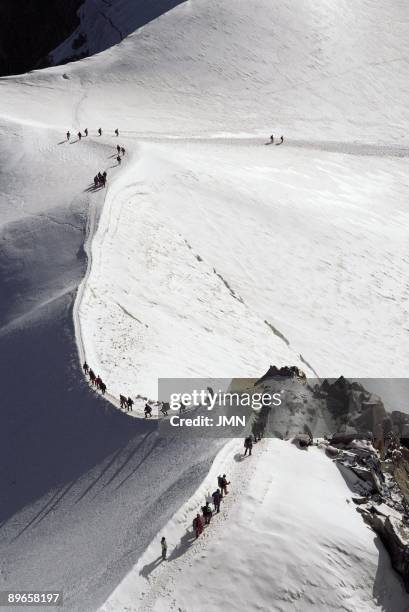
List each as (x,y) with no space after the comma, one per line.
(77,504)
(280,543)
(104,23)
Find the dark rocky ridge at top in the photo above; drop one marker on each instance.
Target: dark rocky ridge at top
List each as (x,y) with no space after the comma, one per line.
(30,29)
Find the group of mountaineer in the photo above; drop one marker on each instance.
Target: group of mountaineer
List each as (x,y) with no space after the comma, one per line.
(79,134)
(95,379)
(100,179)
(280,142)
(202,519)
(125,402)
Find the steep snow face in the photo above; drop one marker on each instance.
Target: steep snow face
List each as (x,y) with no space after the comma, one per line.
(104,23)
(279,543)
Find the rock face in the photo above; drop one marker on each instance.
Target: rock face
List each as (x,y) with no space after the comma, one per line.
(30,30)
(285,372)
(395,537)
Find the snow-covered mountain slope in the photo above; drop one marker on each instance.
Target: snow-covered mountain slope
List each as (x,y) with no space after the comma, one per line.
(205,249)
(309,236)
(104,23)
(318,251)
(321,71)
(279,543)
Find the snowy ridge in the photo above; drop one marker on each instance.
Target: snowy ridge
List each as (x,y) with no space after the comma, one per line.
(205,234)
(319,554)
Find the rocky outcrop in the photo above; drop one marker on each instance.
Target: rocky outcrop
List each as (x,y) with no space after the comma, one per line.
(284,372)
(395,537)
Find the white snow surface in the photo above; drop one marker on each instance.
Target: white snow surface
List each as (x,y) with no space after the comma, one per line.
(205,234)
(281,542)
(310,235)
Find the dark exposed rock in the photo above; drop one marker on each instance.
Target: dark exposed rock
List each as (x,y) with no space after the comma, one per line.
(285,371)
(30,30)
(395,537)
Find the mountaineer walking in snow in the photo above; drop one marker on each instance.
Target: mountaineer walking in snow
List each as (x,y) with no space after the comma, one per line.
(103,387)
(98,382)
(79,135)
(164,547)
(217,498)
(207,513)
(100,131)
(123,402)
(164,409)
(281,141)
(148,411)
(122,150)
(92,377)
(248,445)
(272,138)
(118,148)
(118,159)
(68,135)
(198,525)
(129,403)
(116,132)
(86,131)
(223,484)
(85,367)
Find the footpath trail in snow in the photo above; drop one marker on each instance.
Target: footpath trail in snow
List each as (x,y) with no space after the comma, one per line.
(281,542)
(209,257)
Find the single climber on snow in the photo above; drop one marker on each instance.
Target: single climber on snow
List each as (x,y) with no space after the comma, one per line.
(207,513)
(198,525)
(223,484)
(217,498)
(130,403)
(164,548)
(248,445)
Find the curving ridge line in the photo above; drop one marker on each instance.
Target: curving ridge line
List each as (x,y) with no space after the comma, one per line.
(91,227)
